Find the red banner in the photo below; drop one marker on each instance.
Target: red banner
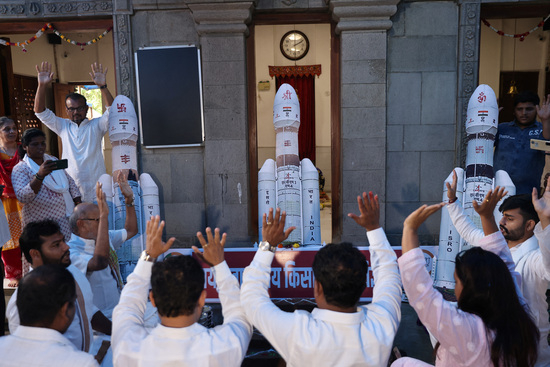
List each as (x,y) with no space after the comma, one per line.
(291,272)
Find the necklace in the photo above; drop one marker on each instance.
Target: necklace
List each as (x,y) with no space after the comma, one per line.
(7,152)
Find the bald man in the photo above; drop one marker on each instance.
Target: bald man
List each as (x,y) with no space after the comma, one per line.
(93,246)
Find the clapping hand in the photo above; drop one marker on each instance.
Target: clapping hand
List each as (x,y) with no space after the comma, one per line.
(213,248)
(369,208)
(98,74)
(45,73)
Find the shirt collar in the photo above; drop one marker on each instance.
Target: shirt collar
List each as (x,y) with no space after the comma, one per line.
(82,244)
(162,331)
(339,317)
(519,251)
(41,334)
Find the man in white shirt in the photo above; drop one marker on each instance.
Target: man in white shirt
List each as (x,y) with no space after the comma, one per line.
(81,137)
(42,243)
(337,332)
(93,246)
(46,307)
(533,263)
(177,290)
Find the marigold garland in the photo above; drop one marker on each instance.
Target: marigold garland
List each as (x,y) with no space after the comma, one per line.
(521,36)
(27,42)
(82,44)
(63,37)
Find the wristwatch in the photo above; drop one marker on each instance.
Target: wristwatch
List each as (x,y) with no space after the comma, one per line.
(146,257)
(266,246)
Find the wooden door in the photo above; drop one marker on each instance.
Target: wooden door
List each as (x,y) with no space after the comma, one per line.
(6,82)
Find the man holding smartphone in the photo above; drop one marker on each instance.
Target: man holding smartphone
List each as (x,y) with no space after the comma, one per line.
(81,137)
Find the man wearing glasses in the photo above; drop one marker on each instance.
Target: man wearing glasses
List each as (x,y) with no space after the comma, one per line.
(81,137)
(93,246)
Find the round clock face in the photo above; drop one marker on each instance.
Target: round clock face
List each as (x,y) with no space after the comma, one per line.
(294,45)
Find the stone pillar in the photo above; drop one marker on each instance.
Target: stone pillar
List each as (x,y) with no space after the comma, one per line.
(362,27)
(468,67)
(222,30)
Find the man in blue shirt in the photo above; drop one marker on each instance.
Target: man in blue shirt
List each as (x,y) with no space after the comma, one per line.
(513,152)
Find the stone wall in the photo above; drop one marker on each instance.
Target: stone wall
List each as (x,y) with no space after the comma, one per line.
(421,110)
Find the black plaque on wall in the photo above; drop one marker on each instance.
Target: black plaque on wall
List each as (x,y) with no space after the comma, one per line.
(169,96)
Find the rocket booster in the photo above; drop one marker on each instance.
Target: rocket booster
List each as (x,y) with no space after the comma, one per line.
(286,118)
(449,239)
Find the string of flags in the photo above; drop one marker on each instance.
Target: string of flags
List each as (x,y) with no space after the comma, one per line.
(521,36)
(62,36)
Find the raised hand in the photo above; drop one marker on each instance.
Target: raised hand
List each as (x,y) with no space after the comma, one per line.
(410,241)
(273,229)
(45,73)
(98,74)
(125,187)
(488,205)
(213,248)
(419,216)
(154,244)
(451,188)
(542,205)
(101,200)
(544,109)
(370,212)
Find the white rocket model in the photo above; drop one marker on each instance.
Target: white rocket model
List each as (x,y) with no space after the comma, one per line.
(288,183)
(475,182)
(123,135)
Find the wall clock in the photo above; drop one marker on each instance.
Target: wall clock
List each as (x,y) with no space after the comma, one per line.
(294,45)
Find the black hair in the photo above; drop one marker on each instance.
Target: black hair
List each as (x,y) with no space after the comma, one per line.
(26,139)
(75,97)
(4,120)
(526,97)
(490,293)
(177,284)
(525,204)
(42,293)
(342,271)
(31,237)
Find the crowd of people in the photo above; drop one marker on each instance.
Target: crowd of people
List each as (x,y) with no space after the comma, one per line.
(73,309)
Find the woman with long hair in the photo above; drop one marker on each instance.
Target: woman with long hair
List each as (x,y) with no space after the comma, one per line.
(490,325)
(11,253)
(44,191)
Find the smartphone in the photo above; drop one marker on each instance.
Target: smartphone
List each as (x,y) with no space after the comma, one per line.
(61,164)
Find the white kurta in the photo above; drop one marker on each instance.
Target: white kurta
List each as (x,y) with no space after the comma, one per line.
(323,337)
(74,332)
(533,265)
(134,345)
(103,283)
(41,347)
(82,147)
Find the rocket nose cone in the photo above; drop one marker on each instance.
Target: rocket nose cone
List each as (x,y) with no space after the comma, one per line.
(286,95)
(123,105)
(483,96)
(286,107)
